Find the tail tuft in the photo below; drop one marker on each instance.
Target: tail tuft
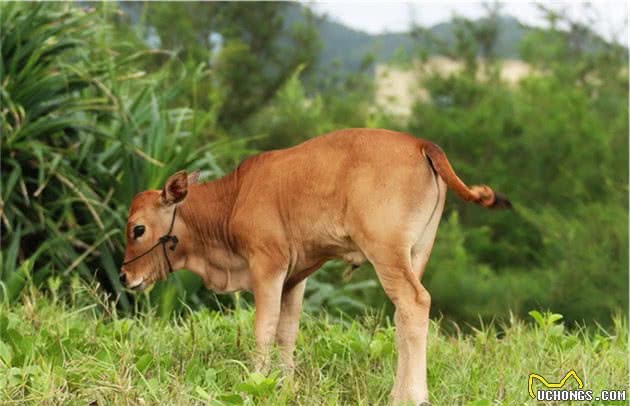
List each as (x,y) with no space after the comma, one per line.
(486,197)
(501,202)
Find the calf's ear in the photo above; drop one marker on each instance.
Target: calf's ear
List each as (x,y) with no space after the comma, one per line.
(175,189)
(193,178)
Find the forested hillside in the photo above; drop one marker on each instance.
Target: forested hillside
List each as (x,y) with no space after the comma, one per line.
(346,48)
(99,104)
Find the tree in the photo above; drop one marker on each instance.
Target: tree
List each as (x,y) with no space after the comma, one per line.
(250,50)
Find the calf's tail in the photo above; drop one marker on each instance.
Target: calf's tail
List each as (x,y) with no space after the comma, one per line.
(481,194)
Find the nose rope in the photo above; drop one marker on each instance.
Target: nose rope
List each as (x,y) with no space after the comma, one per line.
(163,240)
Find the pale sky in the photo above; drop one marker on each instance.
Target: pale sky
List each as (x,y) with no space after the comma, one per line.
(610,17)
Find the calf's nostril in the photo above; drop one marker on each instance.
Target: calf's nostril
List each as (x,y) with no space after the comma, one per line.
(122,278)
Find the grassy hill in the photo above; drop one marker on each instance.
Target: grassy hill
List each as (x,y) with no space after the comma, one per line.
(82,352)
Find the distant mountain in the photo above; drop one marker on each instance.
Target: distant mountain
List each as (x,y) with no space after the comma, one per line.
(348,47)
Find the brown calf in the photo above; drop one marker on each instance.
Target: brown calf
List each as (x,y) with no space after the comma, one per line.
(355,194)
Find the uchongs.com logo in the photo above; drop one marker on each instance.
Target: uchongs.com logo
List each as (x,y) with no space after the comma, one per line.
(555,392)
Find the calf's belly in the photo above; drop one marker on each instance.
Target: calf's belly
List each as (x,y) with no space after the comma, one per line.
(349,253)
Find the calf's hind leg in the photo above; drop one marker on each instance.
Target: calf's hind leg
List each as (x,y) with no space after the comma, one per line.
(412,322)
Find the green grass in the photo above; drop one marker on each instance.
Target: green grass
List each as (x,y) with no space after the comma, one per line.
(79,350)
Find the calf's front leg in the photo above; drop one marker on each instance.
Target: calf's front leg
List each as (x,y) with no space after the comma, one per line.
(289,323)
(267,284)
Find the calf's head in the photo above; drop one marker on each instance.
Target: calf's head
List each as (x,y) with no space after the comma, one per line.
(150,216)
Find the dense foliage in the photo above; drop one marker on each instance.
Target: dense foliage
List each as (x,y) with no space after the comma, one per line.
(557,144)
(83,130)
(99,104)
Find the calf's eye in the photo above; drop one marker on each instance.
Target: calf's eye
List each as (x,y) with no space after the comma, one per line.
(137,232)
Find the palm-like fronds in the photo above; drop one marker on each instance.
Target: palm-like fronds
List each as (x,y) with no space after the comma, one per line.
(83,130)
(45,118)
